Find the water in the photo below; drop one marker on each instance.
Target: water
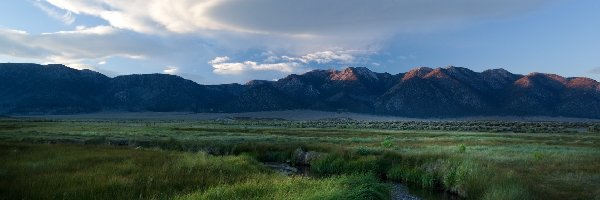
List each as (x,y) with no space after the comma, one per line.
(287,169)
(429,194)
(399,190)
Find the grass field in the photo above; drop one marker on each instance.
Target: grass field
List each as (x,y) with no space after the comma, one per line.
(95,172)
(153,159)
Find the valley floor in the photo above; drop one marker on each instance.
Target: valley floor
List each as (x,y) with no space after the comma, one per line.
(296,115)
(80,158)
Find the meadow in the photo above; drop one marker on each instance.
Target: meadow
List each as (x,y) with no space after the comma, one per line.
(222,159)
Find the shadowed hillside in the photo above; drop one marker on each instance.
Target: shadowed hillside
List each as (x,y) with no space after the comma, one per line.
(421,92)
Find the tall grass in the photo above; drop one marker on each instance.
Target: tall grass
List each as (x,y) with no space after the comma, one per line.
(463,177)
(72,172)
(476,165)
(94,172)
(268,187)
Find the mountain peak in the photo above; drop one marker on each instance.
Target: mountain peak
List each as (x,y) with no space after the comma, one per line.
(55,65)
(257,82)
(447,91)
(454,69)
(418,72)
(499,78)
(364,72)
(500,72)
(344,75)
(542,79)
(553,77)
(582,82)
(353,74)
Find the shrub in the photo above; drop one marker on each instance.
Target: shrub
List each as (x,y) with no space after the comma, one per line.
(362,150)
(464,177)
(538,156)
(388,142)
(462,148)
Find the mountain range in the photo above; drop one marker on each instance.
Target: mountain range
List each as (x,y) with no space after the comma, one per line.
(420,92)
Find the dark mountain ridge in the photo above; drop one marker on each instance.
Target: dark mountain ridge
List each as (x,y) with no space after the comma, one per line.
(421,92)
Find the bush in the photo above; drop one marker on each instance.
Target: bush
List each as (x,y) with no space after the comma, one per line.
(362,150)
(464,177)
(538,156)
(388,142)
(462,148)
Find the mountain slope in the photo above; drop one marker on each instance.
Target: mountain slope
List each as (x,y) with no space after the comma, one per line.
(421,92)
(152,92)
(27,88)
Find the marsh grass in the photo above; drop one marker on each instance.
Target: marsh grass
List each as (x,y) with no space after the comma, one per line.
(475,165)
(269,187)
(92,172)
(95,172)
(462,148)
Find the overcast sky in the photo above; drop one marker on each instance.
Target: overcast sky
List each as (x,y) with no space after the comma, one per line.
(224,41)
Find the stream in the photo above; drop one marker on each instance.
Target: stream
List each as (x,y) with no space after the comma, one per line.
(399,190)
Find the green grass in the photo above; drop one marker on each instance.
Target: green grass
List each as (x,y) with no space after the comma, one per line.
(77,172)
(95,172)
(474,165)
(338,187)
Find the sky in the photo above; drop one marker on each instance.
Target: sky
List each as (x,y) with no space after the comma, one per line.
(234,41)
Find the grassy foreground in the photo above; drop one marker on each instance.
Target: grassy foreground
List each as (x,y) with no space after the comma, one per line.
(473,165)
(94,172)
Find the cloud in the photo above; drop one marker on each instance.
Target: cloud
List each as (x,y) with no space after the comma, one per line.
(151,16)
(171,70)
(315,17)
(285,64)
(76,63)
(218,60)
(322,57)
(297,35)
(65,17)
(297,18)
(281,67)
(595,71)
(71,46)
(304,26)
(113,51)
(97,30)
(223,67)
(295,28)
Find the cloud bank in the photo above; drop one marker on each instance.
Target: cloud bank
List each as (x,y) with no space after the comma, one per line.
(285,64)
(298,26)
(295,18)
(223,36)
(65,17)
(73,47)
